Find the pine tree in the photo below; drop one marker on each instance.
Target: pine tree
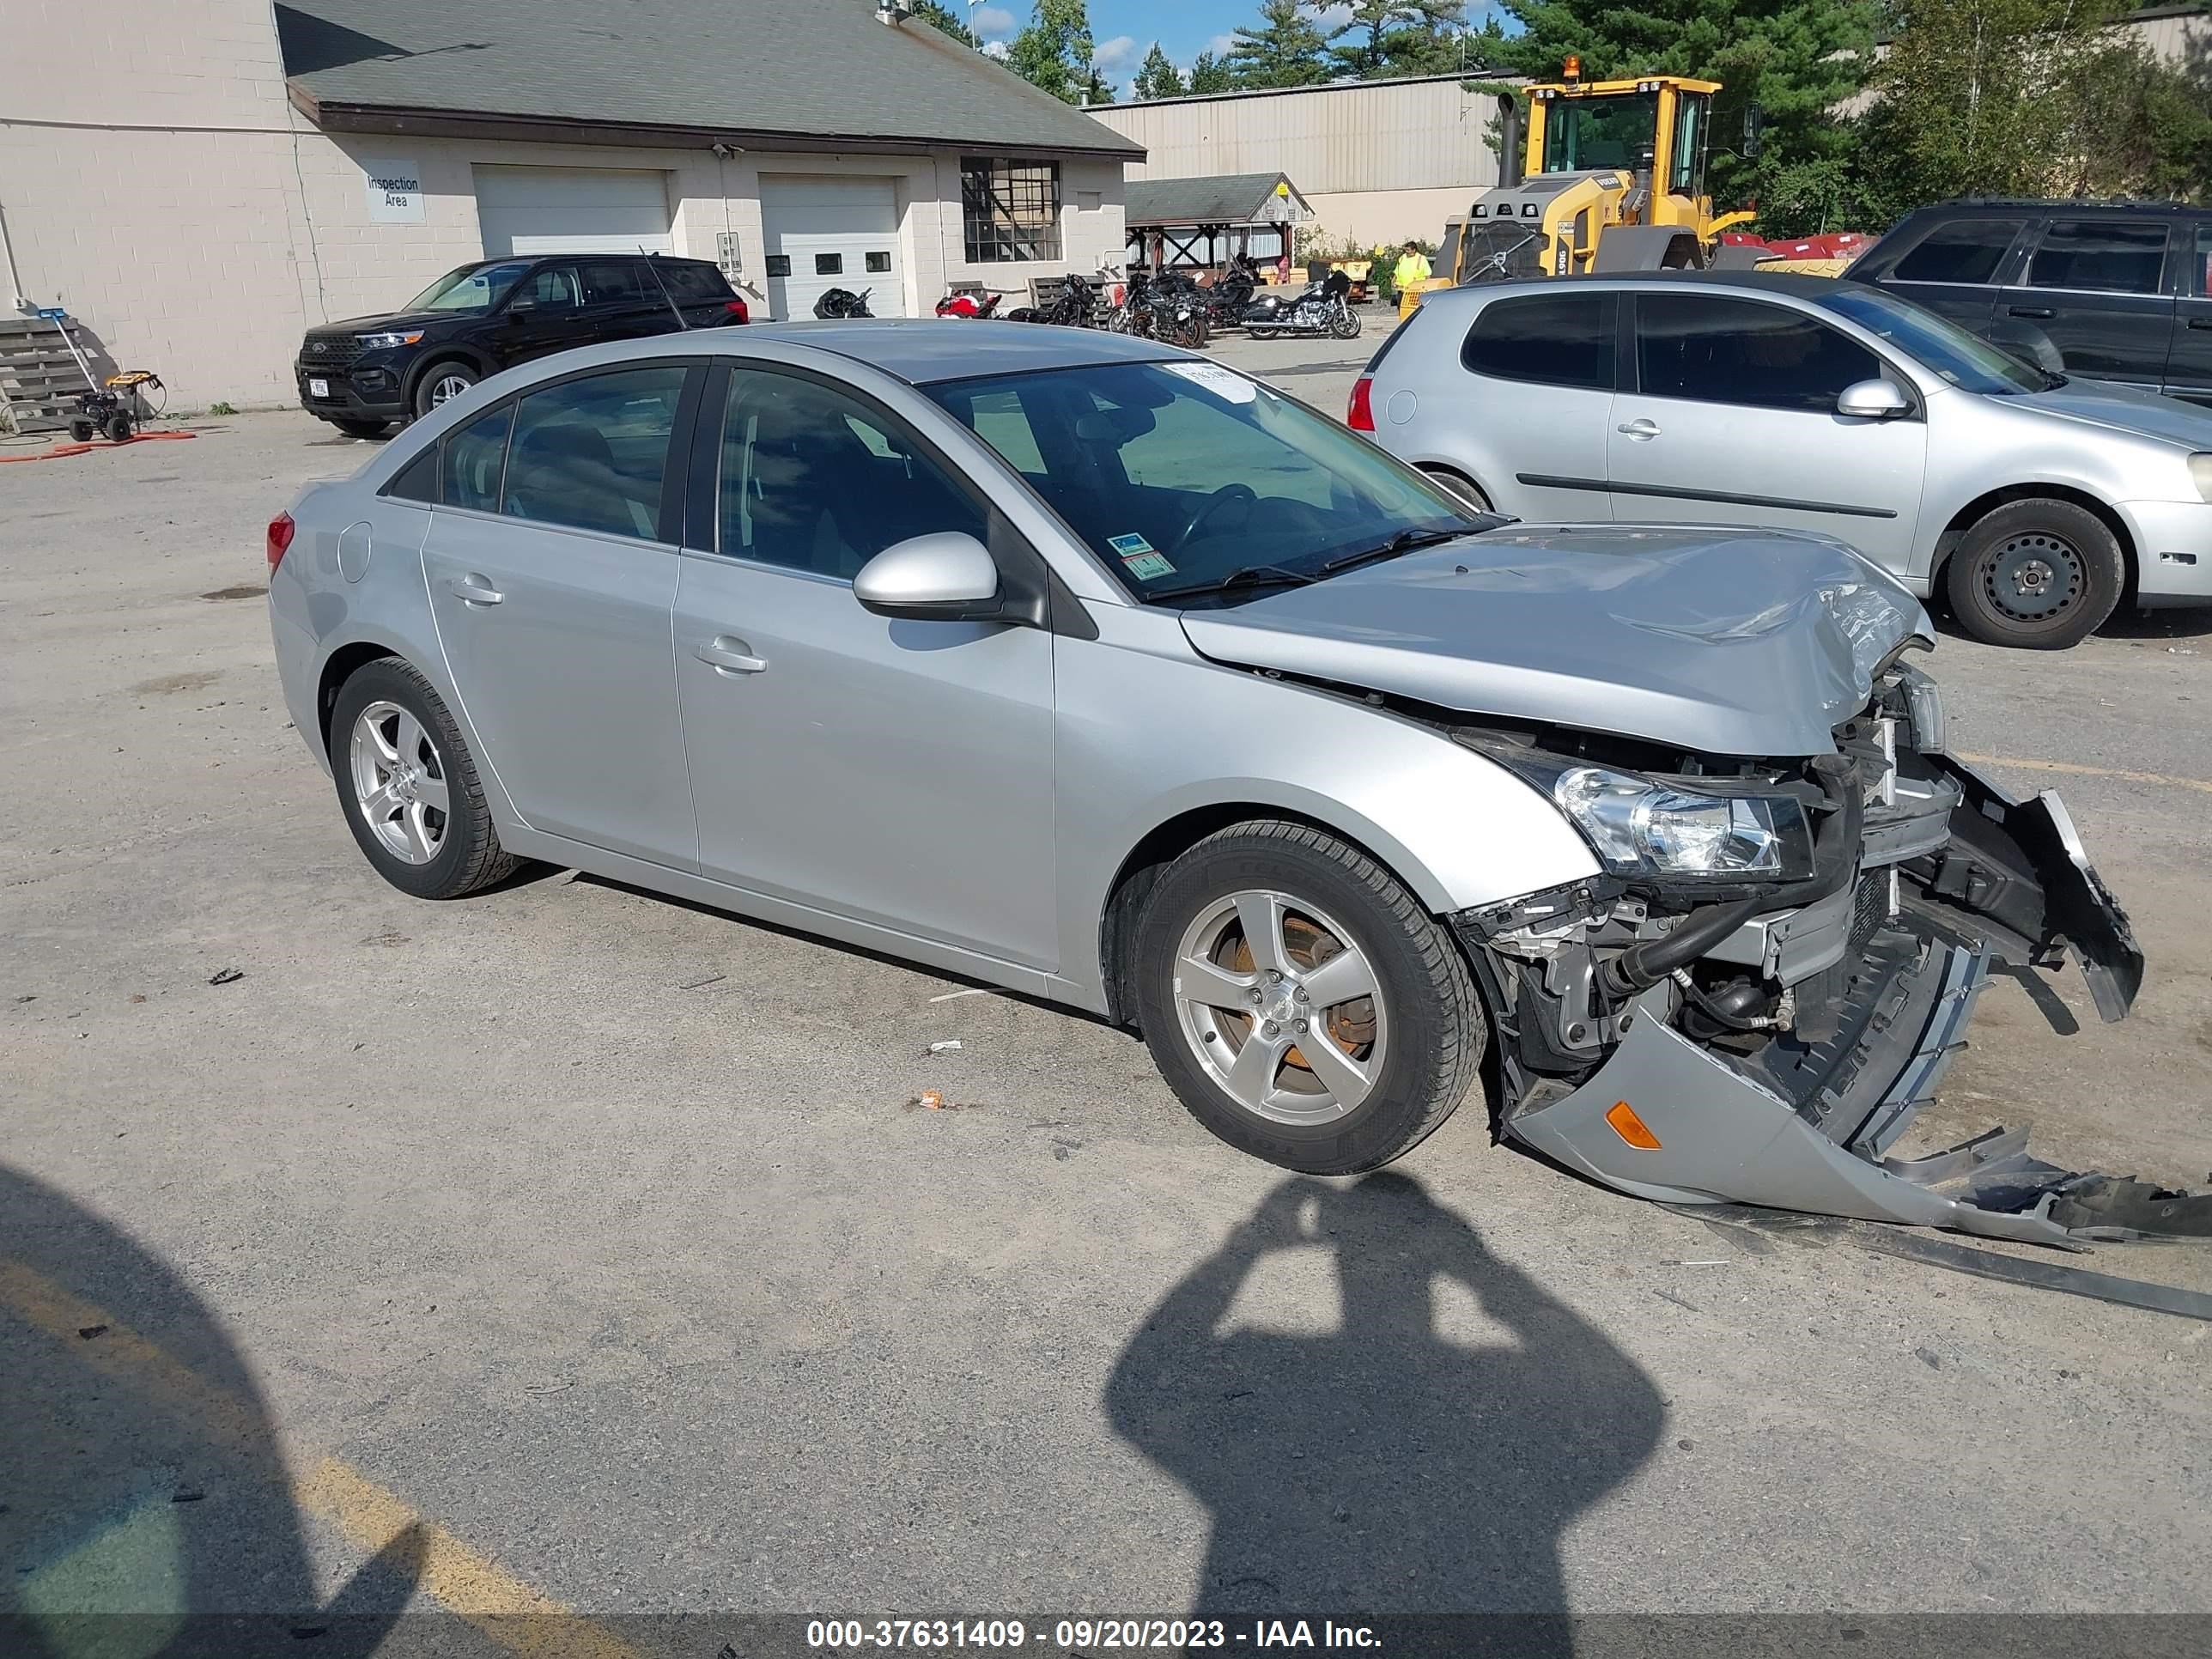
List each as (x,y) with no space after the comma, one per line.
(1208,73)
(1158,78)
(1287,48)
(1799,60)
(1399,37)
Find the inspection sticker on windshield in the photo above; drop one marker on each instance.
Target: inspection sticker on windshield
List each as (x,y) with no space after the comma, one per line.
(1143,560)
(1222,382)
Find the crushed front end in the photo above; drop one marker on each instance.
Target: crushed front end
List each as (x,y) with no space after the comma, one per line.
(1764,1030)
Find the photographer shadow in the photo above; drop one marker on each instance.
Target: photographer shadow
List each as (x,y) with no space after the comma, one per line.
(1386,1467)
(146,1506)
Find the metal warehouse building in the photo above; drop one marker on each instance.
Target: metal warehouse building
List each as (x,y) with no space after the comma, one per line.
(1376,161)
(198,181)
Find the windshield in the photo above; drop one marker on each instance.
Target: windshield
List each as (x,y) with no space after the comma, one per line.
(1184,476)
(472,287)
(1583,133)
(1969,362)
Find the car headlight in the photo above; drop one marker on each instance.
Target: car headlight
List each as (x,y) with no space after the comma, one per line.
(1664,832)
(2200,474)
(377,342)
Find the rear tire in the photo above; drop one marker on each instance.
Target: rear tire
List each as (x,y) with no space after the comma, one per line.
(1461,486)
(1311,1077)
(407,785)
(2040,574)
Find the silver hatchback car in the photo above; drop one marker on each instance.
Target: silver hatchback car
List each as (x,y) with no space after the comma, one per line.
(1091,668)
(2035,503)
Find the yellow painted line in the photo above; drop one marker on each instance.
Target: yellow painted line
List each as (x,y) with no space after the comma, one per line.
(525,1621)
(2068,768)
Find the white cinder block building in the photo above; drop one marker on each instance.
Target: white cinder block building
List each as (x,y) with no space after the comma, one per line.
(198,181)
(1376,161)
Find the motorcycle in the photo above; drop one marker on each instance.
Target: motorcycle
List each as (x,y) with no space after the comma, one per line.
(1322,308)
(1074,306)
(977,306)
(1170,309)
(1227,300)
(836,302)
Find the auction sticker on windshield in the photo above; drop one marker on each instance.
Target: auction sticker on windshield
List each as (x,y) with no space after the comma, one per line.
(1222,382)
(1144,562)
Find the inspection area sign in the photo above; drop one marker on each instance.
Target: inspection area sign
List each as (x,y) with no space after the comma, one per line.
(395,192)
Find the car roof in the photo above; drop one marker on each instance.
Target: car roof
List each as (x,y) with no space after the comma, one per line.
(1800,284)
(1967,206)
(923,351)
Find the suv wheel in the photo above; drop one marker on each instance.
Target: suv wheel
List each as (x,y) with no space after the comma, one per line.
(2040,574)
(360,429)
(1300,1001)
(407,785)
(440,384)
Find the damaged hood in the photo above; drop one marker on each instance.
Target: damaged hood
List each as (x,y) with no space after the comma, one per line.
(1735,642)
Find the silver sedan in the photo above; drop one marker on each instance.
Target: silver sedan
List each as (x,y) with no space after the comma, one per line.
(2034,502)
(1086,666)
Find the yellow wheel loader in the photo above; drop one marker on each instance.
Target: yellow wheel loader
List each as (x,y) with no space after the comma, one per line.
(1612,178)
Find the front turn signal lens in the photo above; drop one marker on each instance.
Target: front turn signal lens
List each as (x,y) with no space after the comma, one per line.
(1630,1127)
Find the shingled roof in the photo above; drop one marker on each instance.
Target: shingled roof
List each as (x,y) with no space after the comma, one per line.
(1227,198)
(818,74)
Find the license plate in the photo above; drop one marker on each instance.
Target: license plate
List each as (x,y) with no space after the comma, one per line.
(319,388)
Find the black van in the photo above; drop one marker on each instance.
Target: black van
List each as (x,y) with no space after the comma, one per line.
(2107,290)
(365,372)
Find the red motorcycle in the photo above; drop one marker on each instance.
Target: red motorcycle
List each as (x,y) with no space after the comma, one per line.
(969,305)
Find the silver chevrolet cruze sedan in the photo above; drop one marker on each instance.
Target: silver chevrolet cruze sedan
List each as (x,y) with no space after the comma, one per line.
(2033,502)
(1091,668)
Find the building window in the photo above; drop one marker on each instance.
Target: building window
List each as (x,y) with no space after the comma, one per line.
(1010,210)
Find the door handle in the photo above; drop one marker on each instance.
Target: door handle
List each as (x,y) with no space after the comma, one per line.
(729,655)
(2040,312)
(473,589)
(1640,429)
(2201,322)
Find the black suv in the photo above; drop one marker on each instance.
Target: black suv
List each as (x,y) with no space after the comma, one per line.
(364,373)
(2109,290)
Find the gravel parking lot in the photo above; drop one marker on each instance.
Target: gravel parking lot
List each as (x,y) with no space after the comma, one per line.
(567,1247)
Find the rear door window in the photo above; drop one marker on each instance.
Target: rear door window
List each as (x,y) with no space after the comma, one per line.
(615,282)
(1715,350)
(1556,339)
(591,452)
(1963,251)
(473,457)
(2106,256)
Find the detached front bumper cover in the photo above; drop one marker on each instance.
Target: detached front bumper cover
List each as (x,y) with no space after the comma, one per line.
(1807,1125)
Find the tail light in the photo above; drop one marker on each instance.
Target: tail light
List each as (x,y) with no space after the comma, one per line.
(1360,417)
(280,538)
(737,310)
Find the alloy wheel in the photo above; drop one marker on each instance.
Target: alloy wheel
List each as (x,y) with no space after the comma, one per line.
(1281,1007)
(399,783)
(447,388)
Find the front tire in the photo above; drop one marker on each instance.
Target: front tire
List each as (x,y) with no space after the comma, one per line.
(2040,574)
(440,384)
(362,428)
(408,786)
(1301,1003)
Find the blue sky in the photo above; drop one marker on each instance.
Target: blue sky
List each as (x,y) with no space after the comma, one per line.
(1125,29)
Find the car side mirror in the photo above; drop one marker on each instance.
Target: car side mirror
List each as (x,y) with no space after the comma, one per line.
(1873,400)
(521,302)
(945,576)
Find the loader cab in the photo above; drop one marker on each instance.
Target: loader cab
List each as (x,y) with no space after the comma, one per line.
(1657,126)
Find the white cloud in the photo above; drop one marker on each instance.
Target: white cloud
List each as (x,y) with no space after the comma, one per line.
(995,49)
(1333,16)
(1219,46)
(992,22)
(1115,54)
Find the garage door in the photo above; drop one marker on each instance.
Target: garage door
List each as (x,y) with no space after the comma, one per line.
(572,210)
(823,233)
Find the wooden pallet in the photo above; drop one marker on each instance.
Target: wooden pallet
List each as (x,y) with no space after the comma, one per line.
(39,381)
